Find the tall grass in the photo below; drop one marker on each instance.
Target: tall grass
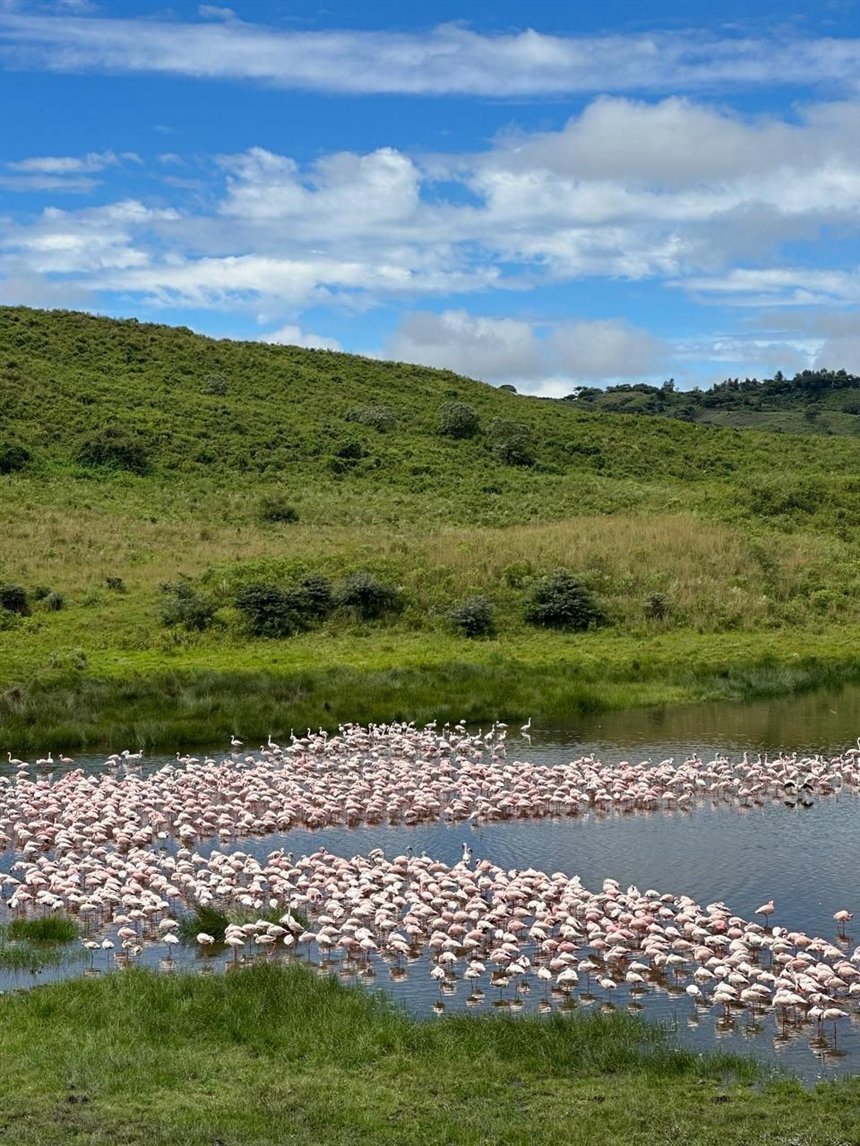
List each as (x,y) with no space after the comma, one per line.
(46,929)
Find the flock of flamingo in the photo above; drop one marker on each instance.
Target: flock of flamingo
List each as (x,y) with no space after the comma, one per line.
(129,853)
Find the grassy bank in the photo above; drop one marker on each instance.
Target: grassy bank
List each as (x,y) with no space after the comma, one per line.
(272,1055)
(135,699)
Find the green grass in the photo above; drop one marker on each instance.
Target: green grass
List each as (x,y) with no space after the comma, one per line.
(46,929)
(277,1054)
(131,699)
(211,920)
(750,542)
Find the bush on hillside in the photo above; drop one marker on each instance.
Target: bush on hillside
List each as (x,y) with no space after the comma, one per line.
(13,457)
(114,449)
(217,384)
(53,602)
(367,596)
(314,597)
(182,604)
(274,612)
(458,420)
(473,617)
(512,442)
(561,601)
(275,508)
(268,611)
(13,598)
(381,418)
(346,457)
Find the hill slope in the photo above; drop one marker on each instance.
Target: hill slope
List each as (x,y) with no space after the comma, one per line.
(136,457)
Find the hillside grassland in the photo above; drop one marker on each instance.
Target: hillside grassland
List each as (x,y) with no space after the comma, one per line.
(724,562)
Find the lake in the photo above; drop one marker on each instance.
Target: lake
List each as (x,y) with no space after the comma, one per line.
(807,859)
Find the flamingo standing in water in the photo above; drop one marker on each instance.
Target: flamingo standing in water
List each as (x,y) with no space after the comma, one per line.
(766,909)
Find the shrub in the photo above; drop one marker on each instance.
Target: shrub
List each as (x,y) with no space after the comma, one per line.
(656,606)
(275,507)
(367,595)
(561,601)
(115,584)
(269,611)
(458,420)
(13,457)
(346,457)
(216,384)
(473,617)
(183,605)
(114,449)
(53,602)
(13,598)
(381,418)
(351,451)
(511,442)
(314,595)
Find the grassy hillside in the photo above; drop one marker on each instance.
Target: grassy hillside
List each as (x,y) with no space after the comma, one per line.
(135,456)
(813,402)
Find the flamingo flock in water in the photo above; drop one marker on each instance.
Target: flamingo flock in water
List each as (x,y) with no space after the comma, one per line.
(117,850)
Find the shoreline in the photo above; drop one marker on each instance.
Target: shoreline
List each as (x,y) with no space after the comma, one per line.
(207,694)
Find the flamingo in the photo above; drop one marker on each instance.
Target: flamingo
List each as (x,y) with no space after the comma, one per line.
(842,917)
(766,909)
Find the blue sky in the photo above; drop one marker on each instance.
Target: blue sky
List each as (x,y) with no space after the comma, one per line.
(549,194)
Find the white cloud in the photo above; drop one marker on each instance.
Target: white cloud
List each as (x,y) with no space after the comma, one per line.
(72,164)
(780,286)
(448,59)
(344,191)
(546,358)
(839,354)
(258,231)
(291,335)
(213,12)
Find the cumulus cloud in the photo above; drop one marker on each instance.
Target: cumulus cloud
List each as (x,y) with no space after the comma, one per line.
(291,335)
(345,191)
(709,214)
(446,60)
(543,358)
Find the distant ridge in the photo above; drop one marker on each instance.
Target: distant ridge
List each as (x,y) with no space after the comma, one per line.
(812,402)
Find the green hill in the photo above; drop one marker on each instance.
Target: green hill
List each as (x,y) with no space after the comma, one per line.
(134,457)
(812,402)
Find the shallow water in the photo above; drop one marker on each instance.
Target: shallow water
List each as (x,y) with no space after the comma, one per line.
(806,859)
